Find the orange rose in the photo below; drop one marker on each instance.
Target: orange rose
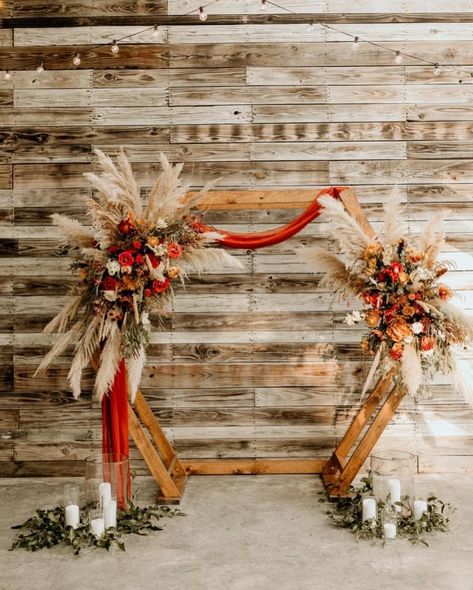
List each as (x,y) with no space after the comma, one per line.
(372,250)
(427,343)
(397,351)
(398,330)
(373,317)
(153,241)
(408,310)
(445,292)
(403,277)
(173,272)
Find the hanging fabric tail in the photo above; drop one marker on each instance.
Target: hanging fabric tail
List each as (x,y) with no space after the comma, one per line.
(115,428)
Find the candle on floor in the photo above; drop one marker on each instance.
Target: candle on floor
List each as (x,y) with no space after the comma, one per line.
(389,529)
(105,492)
(97,526)
(369,509)
(110,514)
(420,506)
(394,486)
(72,516)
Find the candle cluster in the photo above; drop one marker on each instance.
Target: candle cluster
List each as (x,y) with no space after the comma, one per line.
(390,508)
(101,518)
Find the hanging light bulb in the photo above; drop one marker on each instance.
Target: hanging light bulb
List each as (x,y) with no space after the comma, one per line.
(398,58)
(7,75)
(202,14)
(114,48)
(356,44)
(436,70)
(40,67)
(264,5)
(311,26)
(155,32)
(76,59)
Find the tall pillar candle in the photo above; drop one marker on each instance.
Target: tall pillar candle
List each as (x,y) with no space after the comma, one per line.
(394,487)
(72,515)
(369,509)
(105,492)
(110,514)
(420,506)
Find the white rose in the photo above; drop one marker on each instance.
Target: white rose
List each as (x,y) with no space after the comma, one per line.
(417,327)
(113,267)
(110,295)
(161,223)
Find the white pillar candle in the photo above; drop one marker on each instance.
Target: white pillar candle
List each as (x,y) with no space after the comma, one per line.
(369,509)
(97,527)
(394,486)
(420,506)
(389,529)
(72,515)
(105,492)
(110,513)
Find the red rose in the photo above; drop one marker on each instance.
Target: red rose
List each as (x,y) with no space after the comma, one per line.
(109,284)
(112,249)
(148,292)
(126,226)
(125,258)
(139,259)
(174,250)
(396,268)
(155,261)
(136,244)
(427,343)
(160,286)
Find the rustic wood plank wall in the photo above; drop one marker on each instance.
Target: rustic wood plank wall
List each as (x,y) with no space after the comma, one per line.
(256,364)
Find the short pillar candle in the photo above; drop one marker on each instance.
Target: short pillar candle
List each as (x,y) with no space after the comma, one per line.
(420,507)
(369,509)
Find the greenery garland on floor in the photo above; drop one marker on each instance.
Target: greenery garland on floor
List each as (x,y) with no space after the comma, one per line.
(46,528)
(346,513)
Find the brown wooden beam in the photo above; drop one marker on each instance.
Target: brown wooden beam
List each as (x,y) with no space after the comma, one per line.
(252,466)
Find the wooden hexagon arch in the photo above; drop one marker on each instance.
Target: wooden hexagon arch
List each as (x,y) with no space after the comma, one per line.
(338,472)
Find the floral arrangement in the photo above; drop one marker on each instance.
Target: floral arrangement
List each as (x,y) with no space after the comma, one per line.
(128,262)
(398,279)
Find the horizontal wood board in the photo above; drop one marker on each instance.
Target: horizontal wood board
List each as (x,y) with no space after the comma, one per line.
(257,364)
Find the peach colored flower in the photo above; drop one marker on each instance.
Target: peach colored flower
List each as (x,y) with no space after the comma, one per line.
(445,292)
(173,272)
(398,330)
(372,250)
(373,317)
(397,350)
(403,277)
(408,310)
(427,343)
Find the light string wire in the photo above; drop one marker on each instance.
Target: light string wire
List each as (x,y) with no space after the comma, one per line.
(202,15)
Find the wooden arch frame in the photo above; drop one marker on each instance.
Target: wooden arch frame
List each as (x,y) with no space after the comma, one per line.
(338,472)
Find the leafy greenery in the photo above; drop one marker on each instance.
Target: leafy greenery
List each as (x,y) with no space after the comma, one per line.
(346,513)
(46,528)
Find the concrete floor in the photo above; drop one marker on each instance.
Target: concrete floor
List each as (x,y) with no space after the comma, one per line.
(242,533)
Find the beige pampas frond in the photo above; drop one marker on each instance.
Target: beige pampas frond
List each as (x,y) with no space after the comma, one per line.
(432,238)
(336,276)
(109,360)
(73,231)
(167,194)
(84,351)
(62,343)
(457,316)
(351,239)
(411,369)
(394,226)
(61,320)
(463,379)
(208,260)
(134,366)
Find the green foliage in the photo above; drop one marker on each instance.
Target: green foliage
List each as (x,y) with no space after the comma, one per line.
(46,528)
(346,513)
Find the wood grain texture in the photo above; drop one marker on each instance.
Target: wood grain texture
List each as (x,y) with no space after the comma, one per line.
(258,364)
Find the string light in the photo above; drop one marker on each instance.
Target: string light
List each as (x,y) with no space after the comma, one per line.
(202,15)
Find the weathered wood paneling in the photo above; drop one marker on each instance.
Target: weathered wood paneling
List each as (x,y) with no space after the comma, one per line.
(262,103)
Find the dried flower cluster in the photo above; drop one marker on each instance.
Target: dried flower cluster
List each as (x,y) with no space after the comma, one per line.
(398,279)
(127,262)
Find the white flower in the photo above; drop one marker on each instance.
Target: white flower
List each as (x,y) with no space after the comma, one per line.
(417,327)
(145,319)
(113,267)
(408,339)
(353,318)
(161,223)
(428,352)
(110,295)
(421,274)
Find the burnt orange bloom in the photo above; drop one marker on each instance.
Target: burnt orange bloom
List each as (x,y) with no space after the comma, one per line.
(398,330)
(373,317)
(445,292)
(397,351)
(408,310)
(427,343)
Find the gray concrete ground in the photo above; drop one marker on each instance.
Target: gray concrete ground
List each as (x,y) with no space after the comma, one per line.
(242,533)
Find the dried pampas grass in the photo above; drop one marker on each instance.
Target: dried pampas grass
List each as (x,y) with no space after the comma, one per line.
(411,369)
